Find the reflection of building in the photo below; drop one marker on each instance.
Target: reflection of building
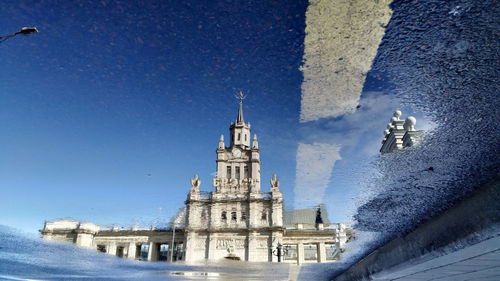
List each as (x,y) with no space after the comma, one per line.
(236,221)
(399,133)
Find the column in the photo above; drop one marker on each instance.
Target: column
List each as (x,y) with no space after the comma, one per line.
(189,241)
(251,247)
(131,250)
(84,240)
(321,252)
(111,249)
(211,246)
(277,238)
(152,252)
(300,253)
(277,212)
(253,215)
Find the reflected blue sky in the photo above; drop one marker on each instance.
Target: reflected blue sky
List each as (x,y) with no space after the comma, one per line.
(113,106)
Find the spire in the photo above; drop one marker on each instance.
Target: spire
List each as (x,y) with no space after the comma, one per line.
(240,113)
(240,119)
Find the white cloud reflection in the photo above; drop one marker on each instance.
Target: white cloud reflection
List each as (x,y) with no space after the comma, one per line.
(342,38)
(314,166)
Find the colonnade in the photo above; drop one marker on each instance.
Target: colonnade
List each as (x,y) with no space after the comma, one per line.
(320,255)
(150,251)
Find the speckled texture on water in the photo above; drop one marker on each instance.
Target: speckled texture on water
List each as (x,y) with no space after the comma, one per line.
(23,258)
(443,58)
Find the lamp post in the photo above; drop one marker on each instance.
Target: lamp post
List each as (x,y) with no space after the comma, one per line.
(278,251)
(173,243)
(23,31)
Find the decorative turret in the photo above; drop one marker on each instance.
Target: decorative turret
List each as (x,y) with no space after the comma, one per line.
(255,143)
(221,142)
(277,202)
(275,183)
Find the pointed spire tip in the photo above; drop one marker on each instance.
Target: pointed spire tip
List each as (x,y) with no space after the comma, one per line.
(240,114)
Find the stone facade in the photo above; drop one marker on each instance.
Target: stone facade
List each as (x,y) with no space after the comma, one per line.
(235,221)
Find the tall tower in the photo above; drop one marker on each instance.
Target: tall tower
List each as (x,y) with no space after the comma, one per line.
(238,166)
(235,220)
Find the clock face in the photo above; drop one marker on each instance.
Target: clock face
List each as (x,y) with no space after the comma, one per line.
(236,153)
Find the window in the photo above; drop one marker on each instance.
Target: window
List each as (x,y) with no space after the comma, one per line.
(246,172)
(119,251)
(163,254)
(310,252)
(223,216)
(245,137)
(243,216)
(331,251)
(239,136)
(289,252)
(101,248)
(233,216)
(178,251)
(144,251)
(204,214)
(228,174)
(264,216)
(237,172)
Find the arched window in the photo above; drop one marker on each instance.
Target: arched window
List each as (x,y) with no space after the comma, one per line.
(264,216)
(223,216)
(233,216)
(228,174)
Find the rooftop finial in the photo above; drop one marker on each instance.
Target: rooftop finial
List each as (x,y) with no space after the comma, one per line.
(241,97)
(397,114)
(255,143)
(275,183)
(221,142)
(195,183)
(409,124)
